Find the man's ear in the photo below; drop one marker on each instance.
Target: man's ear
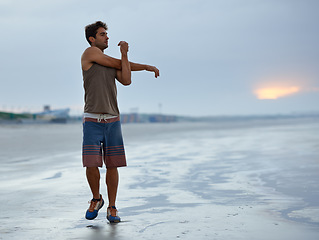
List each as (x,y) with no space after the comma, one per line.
(92,39)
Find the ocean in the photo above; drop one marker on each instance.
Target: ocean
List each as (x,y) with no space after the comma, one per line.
(243,178)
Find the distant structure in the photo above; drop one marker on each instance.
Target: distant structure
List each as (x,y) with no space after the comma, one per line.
(162,118)
(130,118)
(135,117)
(54,116)
(144,118)
(46,116)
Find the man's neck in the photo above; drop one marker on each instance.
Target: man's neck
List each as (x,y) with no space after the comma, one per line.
(102,50)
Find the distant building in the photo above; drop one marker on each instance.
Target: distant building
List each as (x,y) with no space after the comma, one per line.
(162,118)
(46,116)
(54,116)
(151,118)
(130,118)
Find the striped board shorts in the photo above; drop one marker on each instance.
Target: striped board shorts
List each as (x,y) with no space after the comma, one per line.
(102,142)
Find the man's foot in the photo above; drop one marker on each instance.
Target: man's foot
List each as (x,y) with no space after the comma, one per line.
(95,206)
(112,215)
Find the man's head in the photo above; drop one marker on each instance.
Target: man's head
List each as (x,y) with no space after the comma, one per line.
(96,35)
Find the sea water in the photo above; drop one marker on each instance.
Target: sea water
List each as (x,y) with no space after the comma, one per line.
(225,179)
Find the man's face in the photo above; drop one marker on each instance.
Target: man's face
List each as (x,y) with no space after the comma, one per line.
(101,39)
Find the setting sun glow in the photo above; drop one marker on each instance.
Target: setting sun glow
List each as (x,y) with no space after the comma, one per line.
(275,92)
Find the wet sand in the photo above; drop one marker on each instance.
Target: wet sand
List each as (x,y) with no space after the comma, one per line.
(233,180)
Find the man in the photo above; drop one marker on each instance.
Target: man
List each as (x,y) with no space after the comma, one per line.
(102,137)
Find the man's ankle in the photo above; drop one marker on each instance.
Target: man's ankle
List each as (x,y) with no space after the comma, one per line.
(97,198)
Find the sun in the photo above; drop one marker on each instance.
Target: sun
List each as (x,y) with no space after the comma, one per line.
(276,92)
(281,85)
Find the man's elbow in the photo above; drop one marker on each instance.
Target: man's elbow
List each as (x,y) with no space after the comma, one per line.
(126,78)
(127,82)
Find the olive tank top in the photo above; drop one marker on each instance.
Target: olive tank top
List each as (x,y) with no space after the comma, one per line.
(100,93)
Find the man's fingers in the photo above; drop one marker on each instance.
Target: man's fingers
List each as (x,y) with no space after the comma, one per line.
(122,43)
(156,72)
(123,46)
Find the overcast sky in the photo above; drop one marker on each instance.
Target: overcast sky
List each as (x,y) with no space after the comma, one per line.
(216,57)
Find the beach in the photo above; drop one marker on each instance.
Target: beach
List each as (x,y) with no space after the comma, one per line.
(225,179)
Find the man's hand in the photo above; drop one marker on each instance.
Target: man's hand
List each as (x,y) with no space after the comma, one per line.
(123,47)
(153,69)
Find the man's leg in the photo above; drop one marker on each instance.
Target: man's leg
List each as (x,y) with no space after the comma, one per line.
(114,157)
(112,181)
(93,178)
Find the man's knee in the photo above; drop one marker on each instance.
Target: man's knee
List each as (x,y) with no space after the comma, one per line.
(92,170)
(111,170)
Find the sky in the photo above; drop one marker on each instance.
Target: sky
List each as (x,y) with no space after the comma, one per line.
(216,57)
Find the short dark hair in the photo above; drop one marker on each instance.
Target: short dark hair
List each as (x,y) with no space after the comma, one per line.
(91,30)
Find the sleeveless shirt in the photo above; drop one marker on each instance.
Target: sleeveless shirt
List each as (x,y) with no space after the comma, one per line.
(100,90)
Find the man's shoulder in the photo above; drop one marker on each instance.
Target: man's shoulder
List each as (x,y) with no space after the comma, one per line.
(89,55)
(91,50)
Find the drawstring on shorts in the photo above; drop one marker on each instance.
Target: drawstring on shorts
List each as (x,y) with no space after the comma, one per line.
(104,117)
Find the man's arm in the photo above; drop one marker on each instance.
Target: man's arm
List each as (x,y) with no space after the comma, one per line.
(124,75)
(93,54)
(141,67)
